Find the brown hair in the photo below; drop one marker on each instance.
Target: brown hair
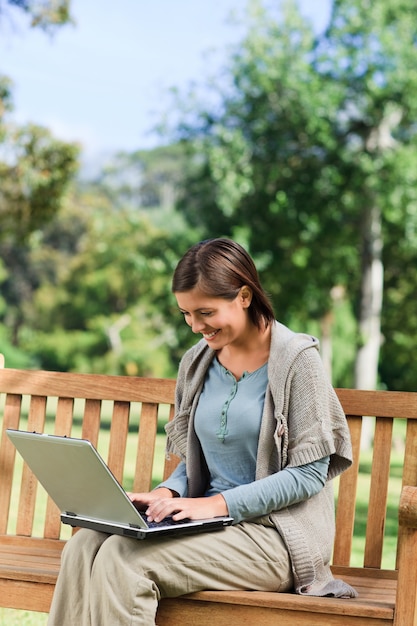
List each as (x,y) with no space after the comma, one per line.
(220,267)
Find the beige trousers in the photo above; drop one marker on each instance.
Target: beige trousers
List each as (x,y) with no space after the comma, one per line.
(108,580)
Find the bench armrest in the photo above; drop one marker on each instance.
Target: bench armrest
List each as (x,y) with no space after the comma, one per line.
(407,515)
(406,600)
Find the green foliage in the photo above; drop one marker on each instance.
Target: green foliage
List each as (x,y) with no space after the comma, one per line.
(145,178)
(268,158)
(313,134)
(5,98)
(300,140)
(102,299)
(33,179)
(45,14)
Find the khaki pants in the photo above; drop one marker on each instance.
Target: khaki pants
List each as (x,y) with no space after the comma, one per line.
(108,580)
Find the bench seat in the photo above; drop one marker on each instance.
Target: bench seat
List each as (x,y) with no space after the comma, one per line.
(35,565)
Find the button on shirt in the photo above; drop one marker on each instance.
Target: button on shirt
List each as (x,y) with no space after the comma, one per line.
(227,423)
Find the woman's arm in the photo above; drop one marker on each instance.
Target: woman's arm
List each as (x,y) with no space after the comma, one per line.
(289,486)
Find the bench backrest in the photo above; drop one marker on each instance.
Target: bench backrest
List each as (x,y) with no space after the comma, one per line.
(97,407)
(123,413)
(394,428)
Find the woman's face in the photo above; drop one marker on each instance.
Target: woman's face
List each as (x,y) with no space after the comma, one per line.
(220,321)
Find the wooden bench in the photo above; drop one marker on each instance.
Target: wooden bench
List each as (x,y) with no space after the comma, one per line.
(111,409)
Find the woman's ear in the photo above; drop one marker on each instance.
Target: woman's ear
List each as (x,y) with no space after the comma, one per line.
(245,296)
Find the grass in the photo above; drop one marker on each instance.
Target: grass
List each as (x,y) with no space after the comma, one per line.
(10,617)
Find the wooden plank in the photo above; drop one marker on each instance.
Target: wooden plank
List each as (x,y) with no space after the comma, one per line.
(346,500)
(148,425)
(378,496)
(406,605)
(7,456)
(409,477)
(63,417)
(205,609)
(63,425)
(26,596)
(383,403)
(359,607)
(29,485)
(91,421)
(118,437)
(410,455)
(172,461)
(365,574)
(89,386)
(24,544)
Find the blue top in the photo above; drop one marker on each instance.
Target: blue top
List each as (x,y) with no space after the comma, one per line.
(227,423)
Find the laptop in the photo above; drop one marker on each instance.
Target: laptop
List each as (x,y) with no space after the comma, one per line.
(86,492)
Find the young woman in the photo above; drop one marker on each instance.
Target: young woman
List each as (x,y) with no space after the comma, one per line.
(260,434)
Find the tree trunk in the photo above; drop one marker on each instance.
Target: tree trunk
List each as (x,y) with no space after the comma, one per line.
(326,348)
(366,368)
(370,307)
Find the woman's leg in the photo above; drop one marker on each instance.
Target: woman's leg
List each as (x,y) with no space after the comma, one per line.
(71,601)
(127,577)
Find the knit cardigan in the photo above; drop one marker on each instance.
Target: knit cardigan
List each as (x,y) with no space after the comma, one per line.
(302,422)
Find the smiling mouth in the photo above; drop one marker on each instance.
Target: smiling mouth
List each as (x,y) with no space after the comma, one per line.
(209,336)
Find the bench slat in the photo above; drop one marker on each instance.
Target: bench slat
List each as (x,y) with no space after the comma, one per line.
(378,492)
(375,606)
(345,511)
(63,425)
(146,447)
(7,456)
(385,404)
(410,455)
(91,421)
(409,476)
(118,436)
(172,461)
(89,386)
(28,490)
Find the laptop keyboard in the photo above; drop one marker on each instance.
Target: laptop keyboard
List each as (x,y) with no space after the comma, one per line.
(167,521)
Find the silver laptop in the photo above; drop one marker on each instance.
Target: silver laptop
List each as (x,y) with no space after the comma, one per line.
(86,492)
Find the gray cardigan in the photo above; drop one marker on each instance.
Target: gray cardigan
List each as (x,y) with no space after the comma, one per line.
(302,422)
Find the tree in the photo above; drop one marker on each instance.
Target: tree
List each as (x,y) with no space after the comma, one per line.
(376,52)
(33,179)
(45,14)
(35,170)
(304,158)
(147,179)
(103,300)
(33,183)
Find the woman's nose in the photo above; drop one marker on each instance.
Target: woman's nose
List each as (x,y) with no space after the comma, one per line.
(196,325)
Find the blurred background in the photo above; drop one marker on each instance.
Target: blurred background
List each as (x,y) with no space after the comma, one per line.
(131,130)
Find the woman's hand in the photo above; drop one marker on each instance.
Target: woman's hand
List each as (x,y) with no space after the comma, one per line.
(143,500)
(161,505)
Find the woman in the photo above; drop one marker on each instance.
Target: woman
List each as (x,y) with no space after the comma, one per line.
(260,434)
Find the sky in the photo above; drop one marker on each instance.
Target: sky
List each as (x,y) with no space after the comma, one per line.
(104,82)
